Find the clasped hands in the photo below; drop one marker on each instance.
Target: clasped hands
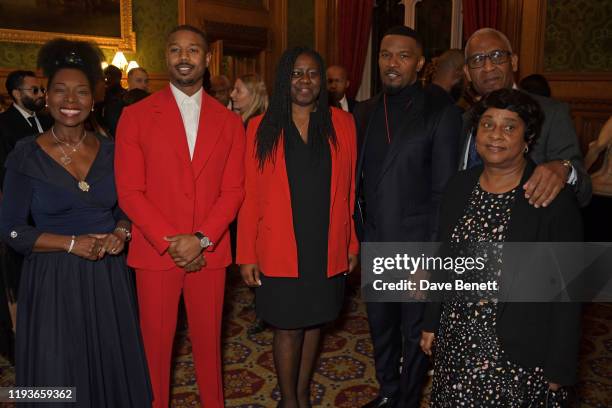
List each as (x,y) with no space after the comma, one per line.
(186,252)
(96,246)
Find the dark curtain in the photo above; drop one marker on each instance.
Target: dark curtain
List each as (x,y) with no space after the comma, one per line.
(479,14)
(355,20)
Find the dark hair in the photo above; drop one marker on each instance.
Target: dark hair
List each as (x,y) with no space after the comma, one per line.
(535,84)
(113,72)
(61,53)
(14,80)
(187,27)
(406,32)
(132,71)
(278,118)
(515,101)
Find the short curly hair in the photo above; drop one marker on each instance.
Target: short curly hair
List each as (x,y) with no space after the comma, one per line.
(515,101)
(61,53)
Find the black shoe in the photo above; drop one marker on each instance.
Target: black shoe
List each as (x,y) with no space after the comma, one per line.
(380,402)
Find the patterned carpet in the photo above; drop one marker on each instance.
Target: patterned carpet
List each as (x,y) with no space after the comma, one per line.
(345,374)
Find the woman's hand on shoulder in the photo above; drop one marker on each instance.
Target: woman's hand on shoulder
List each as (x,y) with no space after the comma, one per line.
(250,274)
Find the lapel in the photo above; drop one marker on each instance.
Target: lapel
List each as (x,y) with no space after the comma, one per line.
(167,118)
(209,131)
(371,107)
(282,167)
(404,133)
(19,125)
(283,178)
(524,220)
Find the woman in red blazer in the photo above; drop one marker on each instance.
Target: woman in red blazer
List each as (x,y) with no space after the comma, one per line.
(296,238)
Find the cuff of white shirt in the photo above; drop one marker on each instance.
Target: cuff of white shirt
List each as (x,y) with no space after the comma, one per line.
(573,177)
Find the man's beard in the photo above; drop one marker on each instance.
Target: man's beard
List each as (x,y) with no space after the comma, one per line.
(34,105)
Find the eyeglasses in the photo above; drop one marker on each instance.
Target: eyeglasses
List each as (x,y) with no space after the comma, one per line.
(497,57)
(35,90)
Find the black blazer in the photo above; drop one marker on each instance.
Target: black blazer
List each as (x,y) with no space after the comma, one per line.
(14,127)
(351,104)
(414,173)
(545,335)
(557,141)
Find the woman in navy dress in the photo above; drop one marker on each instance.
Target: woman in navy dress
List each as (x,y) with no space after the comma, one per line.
(77,324)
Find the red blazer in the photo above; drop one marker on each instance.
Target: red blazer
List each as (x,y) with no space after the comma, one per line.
(164,192)
(265,222)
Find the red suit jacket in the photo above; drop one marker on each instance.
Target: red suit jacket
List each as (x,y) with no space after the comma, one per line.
(265,223)
(166,193)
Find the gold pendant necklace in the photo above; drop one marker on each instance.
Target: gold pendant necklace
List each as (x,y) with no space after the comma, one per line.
(66,159)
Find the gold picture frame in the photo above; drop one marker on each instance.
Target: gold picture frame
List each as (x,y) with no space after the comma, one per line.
(126,42)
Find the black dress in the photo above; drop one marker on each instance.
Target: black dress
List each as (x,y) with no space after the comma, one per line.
(312,298)
(471,367)
(77,324)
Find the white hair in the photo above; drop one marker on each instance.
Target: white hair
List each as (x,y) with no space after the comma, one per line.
(487,30)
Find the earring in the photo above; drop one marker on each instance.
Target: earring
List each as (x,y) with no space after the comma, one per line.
(526,149)
(92,108)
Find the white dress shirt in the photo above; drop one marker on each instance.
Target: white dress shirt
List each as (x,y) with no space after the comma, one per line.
(27,116)
(189,106)
(344,103)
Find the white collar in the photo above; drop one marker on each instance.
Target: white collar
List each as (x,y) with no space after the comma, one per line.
(26,115)
(181,96)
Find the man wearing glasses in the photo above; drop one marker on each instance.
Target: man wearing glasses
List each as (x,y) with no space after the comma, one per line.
(490,65)
(18,121)
(22,118)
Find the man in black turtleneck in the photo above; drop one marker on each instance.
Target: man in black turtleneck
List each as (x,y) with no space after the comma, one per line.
(408,152)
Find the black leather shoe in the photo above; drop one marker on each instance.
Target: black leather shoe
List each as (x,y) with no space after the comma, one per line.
(380,402)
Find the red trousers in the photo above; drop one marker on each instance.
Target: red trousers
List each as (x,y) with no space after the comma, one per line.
(158,298)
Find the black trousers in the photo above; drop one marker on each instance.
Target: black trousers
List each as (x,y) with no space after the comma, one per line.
(396,333)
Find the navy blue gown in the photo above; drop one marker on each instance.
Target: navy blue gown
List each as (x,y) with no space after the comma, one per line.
(77,322)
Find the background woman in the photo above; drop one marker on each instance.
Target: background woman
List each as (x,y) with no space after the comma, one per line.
(296,236)
(521,357)
(249,99)
(249,96)
(77,324)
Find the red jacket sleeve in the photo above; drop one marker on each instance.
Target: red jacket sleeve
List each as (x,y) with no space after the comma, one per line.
(248,218)
(130,177)
(230,197)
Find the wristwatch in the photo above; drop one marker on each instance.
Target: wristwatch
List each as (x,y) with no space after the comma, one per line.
(204,240)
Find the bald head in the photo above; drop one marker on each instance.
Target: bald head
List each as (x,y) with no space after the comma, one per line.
(337,82)
(220,88)
(490,63)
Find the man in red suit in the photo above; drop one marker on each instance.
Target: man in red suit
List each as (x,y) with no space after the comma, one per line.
(179,173)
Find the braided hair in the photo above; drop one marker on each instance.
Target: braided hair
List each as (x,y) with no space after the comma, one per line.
(278,118)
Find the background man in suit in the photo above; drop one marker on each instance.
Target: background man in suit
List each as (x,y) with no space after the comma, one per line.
(138,78)
(490,65)
(180,175)
(409,149)
(337,83)
(23,117)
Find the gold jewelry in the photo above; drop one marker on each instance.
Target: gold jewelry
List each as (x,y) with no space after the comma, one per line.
(66,159)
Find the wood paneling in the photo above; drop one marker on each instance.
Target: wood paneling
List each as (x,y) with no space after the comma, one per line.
(588,94)
(326,30)
(252,35)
